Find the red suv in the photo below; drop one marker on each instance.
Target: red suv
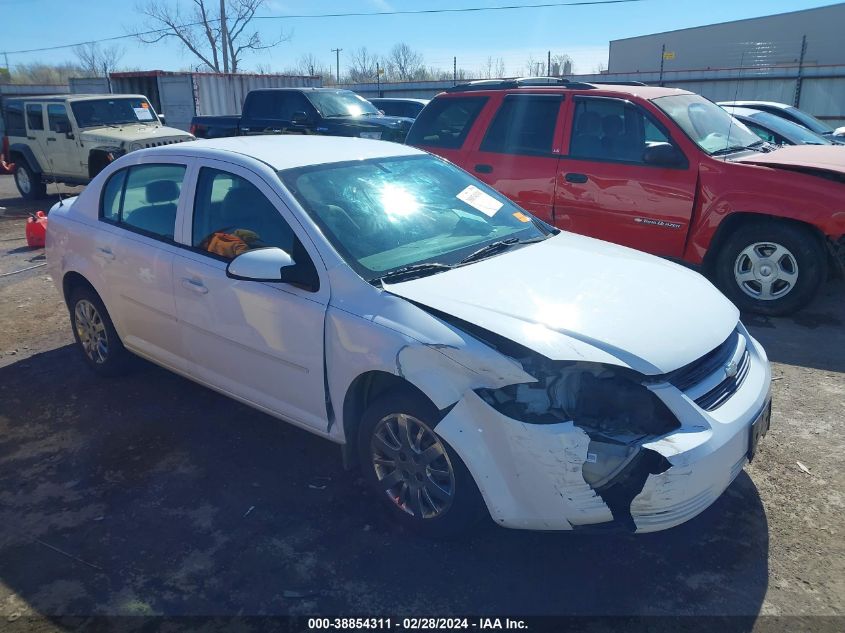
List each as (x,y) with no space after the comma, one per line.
(658,169)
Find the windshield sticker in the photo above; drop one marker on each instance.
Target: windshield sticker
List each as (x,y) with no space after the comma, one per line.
(480,200)
(143,114)
(519,215)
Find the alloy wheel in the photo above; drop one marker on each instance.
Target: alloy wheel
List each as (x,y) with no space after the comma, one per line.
(412,466)
(91,331)
(23,181)
(766,271)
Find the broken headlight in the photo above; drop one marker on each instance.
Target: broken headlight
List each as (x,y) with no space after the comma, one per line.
(609,403)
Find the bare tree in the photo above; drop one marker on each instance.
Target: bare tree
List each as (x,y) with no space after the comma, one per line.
(38,73)
(404,63)
(534,67)
(218,38)
(500,68)
(363,65)
(96,61)
(600,68)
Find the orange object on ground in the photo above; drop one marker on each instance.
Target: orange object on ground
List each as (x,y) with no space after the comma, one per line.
(36,230)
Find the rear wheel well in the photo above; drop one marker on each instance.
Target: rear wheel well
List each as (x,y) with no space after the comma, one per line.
(361,393)
(735,220)
(71,282)
(97,161)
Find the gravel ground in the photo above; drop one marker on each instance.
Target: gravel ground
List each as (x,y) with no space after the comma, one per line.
(148,494)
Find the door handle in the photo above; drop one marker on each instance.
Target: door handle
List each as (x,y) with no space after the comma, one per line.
(194,284)
(51,138)
(105,253)
(484,169)
(577,178)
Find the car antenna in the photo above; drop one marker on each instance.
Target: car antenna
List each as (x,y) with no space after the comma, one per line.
(736,96)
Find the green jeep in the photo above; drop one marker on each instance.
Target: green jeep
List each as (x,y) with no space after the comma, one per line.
(70,138)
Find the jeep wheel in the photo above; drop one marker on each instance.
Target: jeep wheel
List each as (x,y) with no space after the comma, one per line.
(29,183)
(772,268)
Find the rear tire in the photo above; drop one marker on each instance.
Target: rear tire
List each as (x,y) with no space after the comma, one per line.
(95,334)
(417,476)
(29,184)
(771,268)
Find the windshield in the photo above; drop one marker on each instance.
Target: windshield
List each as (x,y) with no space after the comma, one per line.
(788,129)
(708,125)
(331,103)
(99,112)
(809,121)
(388,213)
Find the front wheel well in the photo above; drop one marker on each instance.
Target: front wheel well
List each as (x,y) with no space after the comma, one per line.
(98,159)
(360,394)
(735,220)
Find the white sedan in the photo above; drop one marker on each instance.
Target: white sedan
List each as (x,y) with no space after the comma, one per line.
(472,360)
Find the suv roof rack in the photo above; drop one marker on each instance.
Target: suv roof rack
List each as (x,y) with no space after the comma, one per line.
(519,82)
(619,83)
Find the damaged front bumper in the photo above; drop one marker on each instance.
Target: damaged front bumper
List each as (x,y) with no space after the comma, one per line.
(532,475)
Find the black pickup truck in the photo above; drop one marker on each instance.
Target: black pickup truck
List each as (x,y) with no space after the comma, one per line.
(325,111)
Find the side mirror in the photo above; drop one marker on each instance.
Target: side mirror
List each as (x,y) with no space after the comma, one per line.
(299,118)
(262,264)
(664,155)
(161,118)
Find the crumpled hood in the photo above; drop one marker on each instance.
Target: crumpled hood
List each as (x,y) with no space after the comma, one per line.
(131,133)
(573,297)
(825,157)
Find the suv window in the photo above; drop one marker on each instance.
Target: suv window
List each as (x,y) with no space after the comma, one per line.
(57,119)
(612,129)
(15,125)
(523,125)
(445,122)
(232,216)
(144,198)
(278,105)
(34,116)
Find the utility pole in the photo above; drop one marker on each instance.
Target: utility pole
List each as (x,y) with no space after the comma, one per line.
(549,64)
(8,68)
(662,59)
(796,99)
(224,36)
(336,51)
(378,79)
(454,71)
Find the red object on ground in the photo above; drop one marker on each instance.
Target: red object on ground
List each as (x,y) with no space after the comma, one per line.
(36,230)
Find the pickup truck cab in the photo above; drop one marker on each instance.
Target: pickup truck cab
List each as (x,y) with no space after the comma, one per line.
(322,111)
(658,169)
(71,138)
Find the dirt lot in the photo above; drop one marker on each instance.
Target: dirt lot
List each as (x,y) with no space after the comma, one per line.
(148,494)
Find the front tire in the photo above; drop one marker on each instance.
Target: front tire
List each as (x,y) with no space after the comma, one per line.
(29,184)
(416,475)
(95,334)
(771,268)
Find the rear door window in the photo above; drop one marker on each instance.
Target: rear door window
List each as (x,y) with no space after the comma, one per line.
(445,122)
(523,125)
(34,116)
(144,198)
(15,120)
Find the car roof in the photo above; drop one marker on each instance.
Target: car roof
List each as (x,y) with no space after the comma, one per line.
(773,104)
(645,92)
(290,151)
(403,99)
(76,97)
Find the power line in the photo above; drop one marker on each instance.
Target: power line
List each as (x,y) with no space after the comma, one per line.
(304,16)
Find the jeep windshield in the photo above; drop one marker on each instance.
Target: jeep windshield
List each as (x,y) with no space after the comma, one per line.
(338,103)
(708,125)
(115,111)
(409,216)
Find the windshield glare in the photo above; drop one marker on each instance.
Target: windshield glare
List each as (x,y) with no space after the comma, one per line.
(707,124)
(340,103)
(97,112)
(385,214)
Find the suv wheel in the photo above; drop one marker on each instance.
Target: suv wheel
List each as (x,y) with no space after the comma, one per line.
(95,334)
(29,184)
(771,268)
(420,479)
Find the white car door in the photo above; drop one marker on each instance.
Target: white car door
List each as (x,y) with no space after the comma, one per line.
(137,248)
(62,144)
(260,342)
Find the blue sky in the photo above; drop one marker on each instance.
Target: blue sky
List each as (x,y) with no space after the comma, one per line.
(513,35)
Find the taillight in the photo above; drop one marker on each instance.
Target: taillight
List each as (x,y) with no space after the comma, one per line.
(193,129)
